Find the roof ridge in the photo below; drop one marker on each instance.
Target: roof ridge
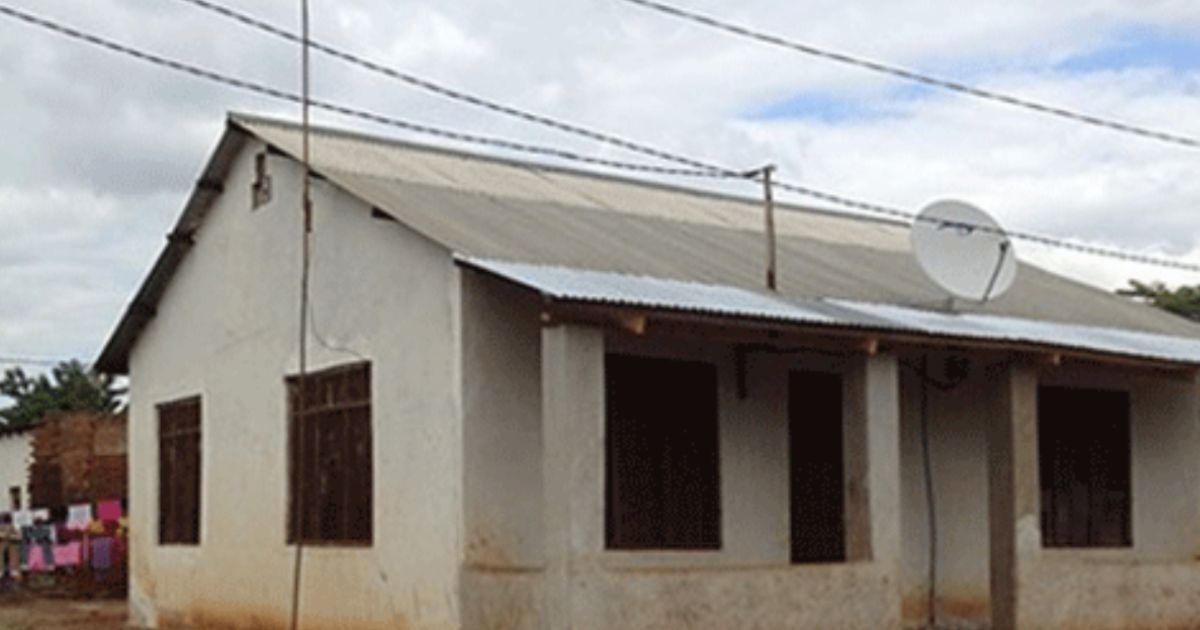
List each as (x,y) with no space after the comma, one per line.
(244,120)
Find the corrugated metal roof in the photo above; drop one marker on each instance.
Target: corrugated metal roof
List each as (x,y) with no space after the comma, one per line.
(614,289)
(491,208)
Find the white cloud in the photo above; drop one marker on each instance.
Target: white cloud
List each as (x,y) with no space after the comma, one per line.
(99,152)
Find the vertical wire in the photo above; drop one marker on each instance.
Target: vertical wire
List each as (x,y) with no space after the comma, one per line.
(298,515)
(930,501)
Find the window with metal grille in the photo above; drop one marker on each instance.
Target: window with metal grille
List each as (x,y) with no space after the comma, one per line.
(330,464)
(662,464)
(1084,465)
(818,496)
(179,472)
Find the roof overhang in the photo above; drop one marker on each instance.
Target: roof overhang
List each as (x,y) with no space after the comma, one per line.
(639,303)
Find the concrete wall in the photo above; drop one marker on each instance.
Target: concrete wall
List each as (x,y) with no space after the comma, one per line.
(1154,584)
(16,453)
(957,439)
(503,538)
(534,555)
(226,330)
(749,583)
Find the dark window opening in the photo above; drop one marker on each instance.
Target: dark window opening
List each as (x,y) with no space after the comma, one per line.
(1084,465)
(330,465)
(662,464)
(14,497)
(46,488)
(261,188)
(179,472)
(818,497)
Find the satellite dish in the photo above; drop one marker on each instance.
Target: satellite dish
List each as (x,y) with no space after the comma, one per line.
(964,251)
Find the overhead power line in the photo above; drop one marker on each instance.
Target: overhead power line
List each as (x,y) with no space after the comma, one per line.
(1037,239)
(637,147)
(918,77)
(700,168)
(458,95)
(282,95)
(30,361)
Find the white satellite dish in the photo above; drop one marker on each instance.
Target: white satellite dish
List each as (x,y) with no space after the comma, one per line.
(964,251)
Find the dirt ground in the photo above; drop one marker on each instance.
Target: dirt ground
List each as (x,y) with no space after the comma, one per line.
(19,612)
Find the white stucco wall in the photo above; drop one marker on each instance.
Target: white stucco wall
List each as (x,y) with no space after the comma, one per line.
(1156,582)
(1066,586)
(957,420)
(16,453)
(226,330)
(534,554)
(749,583)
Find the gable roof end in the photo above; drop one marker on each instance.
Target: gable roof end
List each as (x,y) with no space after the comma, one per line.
(114,358)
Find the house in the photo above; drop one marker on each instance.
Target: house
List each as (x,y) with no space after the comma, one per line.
(78,457)
(542,398)
(16,453)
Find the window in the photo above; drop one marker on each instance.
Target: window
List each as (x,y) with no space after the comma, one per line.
(663,482)
(179,472)
(14,497)
(330,470)
(818,497)
(1084,464)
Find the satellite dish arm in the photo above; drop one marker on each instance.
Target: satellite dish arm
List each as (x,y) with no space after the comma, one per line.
(1005,248)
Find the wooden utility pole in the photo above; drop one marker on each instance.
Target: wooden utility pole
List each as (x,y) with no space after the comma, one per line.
(297,519)
(769,211)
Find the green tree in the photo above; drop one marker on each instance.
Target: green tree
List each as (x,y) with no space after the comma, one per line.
(68,387)
(1183,301)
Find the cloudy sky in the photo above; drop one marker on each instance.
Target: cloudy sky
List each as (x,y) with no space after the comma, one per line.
(98,152)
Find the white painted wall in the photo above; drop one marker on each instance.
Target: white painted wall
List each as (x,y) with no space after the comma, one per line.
(957,420)
(1166,492)
(226,330)
(526,570)
(1154,584)
(16,453)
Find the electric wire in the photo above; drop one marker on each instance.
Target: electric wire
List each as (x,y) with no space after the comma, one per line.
(921,78)
(461,96)
(31,361)
(351,112)
(1038,239)
(624,143)
(930,497)
(699,168)
(922,372)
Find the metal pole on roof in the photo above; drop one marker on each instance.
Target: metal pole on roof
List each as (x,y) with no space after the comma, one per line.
(769,209)
(297,519)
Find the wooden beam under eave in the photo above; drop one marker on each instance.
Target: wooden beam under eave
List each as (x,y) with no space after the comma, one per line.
(632,322)
(824,338)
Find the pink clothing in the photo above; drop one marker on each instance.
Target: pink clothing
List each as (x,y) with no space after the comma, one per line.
(109,511)
(37,562)
(68,555)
